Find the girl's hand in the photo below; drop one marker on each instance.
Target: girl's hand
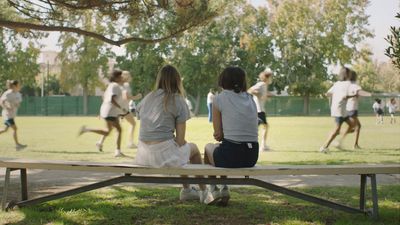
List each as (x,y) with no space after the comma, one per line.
(218,136)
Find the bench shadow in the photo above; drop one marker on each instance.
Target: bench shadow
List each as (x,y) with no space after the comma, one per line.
(145,205)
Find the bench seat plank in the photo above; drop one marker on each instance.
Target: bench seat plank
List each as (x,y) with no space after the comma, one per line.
(202,169)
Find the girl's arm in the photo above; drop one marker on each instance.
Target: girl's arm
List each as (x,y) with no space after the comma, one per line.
(180,133)
(217,124)
(130,97)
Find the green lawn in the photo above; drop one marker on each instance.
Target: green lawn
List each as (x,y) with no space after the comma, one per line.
(295,140)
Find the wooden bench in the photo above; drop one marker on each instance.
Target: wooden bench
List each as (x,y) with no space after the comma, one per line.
(241,176)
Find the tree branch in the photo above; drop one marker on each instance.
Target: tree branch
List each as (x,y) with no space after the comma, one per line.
(31,26)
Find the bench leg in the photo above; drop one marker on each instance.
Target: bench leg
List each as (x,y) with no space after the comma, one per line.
(24,185)
(5,190)
(375,212)
(363,189)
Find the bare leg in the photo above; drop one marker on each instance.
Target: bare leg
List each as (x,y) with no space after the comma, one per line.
(5,129)
(264,133)
(357,130)
(15,136)
(132,123)
(195,158)
(332,136)
(119,131)
(350,129)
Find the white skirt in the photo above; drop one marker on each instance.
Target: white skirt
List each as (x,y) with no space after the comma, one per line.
(163,154)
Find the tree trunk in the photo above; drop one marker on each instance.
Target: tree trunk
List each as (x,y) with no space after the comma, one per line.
(197,104)
(306,105)
(85,101)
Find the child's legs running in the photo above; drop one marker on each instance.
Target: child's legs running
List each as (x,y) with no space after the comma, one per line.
(334,133)
(117,126)
(15,136)
(5,129)
(357,125)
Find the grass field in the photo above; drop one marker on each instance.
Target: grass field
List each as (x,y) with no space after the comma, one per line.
(295,140)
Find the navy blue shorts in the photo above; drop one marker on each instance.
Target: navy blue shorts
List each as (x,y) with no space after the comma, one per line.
(232,154)
(262,119)
(9,122)
(340,120)
(353,113)
(111,119)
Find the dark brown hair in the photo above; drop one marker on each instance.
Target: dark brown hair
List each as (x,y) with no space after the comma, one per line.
(233,78)
(115,75)
(344,74)
(11,83)
(353,75)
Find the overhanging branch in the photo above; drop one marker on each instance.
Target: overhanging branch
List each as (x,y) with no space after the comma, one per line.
(30,26)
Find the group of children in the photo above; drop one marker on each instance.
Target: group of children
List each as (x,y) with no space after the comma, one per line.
(379,110)
(236,114)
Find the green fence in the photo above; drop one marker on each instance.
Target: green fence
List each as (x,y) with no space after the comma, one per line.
(276,106)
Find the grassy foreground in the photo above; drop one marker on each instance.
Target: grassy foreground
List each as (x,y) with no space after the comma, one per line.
(295,140)
(133,205)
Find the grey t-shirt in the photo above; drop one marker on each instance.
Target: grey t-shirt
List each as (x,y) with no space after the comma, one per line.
(239,116)
(156,122)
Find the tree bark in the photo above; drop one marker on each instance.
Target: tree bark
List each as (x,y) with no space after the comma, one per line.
(197,104)
(306,104)
(85,101)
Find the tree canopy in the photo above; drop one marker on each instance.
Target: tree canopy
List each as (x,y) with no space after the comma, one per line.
(174,16)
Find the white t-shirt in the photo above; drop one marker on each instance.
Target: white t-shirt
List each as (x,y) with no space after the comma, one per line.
(126,91)
(392,107)
(261,97)
(108,109)
(339,92)
(10,102)
(210,98)
(376,106)
(352,103)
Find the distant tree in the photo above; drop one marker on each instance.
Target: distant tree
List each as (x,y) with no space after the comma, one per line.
(309,35)
(393,51)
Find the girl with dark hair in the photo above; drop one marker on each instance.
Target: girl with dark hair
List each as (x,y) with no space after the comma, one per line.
(163,114)
(235,125)
(10,101)
(378,109)
(110,110)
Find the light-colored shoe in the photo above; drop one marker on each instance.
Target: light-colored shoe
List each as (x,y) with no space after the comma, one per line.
(82,130)
(99,146)
(20,147)
(207,198)
(119,154)
(188,194)
(132,146)
(266,148)
(225,196)
(215,192)
(324,149)
(337,144)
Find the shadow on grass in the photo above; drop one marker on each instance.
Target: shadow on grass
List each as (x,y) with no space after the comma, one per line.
(137,205)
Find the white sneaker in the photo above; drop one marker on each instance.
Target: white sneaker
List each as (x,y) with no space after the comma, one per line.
(206,197)
(99,146)
(20,147)
(188,194)
(82,130)
(266,148)
(118,153)
(337,144)
(132,145)
(215,192)
(225,196)
(323,149)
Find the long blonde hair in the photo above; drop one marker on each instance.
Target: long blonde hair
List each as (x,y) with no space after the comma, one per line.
(169,80)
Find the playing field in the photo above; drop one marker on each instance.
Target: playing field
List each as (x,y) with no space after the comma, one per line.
(294,140)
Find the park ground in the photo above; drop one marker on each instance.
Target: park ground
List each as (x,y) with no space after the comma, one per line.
(294,140)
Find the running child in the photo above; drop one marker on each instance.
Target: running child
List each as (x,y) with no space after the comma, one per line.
(338,94)
(10,101)
(378,110)
(235,123)
(392,106)
(110,110)
(352,105)
(129,116)
(260,94)
(163,114)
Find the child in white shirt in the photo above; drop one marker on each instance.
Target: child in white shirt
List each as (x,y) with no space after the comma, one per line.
(339,95)
(392,107)
(378,109)
(10,101)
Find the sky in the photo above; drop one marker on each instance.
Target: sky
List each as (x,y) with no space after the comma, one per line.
(382,16)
